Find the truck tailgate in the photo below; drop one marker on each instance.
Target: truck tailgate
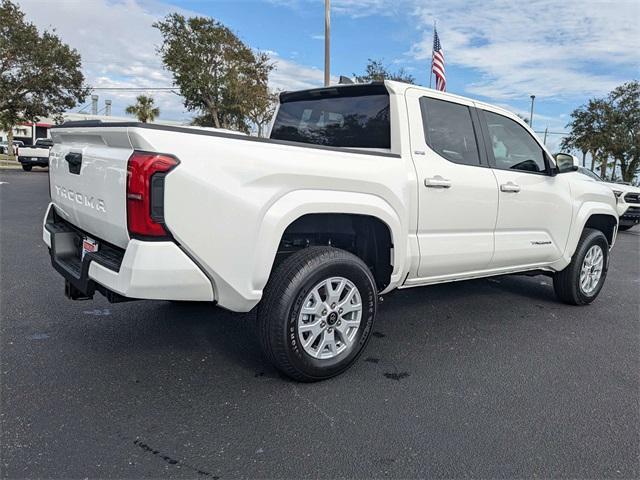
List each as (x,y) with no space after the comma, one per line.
(88,180)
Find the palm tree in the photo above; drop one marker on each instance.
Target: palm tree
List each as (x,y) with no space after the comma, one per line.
(144,109)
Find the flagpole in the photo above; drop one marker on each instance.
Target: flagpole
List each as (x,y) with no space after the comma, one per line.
(327,42)
(431,69)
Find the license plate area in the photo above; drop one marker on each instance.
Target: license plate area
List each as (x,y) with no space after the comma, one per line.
(89,245)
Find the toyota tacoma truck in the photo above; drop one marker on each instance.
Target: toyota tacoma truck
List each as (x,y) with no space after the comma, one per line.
(628,200)
(36,155)
(359,190)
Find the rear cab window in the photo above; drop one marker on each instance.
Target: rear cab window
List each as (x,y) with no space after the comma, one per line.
(351,117)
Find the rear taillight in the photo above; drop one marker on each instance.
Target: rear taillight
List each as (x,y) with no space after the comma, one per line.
(145,193)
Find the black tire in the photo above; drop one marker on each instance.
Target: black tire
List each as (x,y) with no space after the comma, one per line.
(624,228)
(27,168)
(282,301)
(567,282)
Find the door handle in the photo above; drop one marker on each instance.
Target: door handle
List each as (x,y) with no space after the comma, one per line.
(437,182)
(510,187)
(74,158)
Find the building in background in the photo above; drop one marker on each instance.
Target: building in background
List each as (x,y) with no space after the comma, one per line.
(29,132)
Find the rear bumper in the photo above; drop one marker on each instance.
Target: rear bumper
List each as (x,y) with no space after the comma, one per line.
(144,270)
(37,161)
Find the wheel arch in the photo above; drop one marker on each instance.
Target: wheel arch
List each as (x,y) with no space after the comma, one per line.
(295,207)
(607,224)
(597,215)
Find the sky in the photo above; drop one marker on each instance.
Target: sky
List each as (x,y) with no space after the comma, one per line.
(498,51)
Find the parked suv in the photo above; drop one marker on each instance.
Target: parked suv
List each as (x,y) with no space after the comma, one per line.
(360,189)
(627,196)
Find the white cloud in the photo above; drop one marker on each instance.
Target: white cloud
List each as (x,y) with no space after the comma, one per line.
(118,47)
(117,44)
(553,48)
(353,8)
(290,75)
(546,47)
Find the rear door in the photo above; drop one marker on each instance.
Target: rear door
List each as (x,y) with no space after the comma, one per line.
(535,208)
(457,191)
(88,179)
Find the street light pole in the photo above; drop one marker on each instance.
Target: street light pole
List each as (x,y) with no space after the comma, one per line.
(533,97)
(327,42)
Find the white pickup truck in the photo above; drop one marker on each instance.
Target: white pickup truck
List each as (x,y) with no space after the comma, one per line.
(35,155)
(359,190)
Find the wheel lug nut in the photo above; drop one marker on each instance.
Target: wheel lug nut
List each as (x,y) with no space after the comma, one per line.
(323,323)
(340,311)
(339,322)
(333,305)
(324,312)
(330,330)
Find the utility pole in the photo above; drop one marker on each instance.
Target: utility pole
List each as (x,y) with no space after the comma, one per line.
(327,42)
(94,104)
(546,130)
(533,97)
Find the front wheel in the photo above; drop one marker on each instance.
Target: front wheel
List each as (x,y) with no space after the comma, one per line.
(317,313)
(581,281)
(26,168)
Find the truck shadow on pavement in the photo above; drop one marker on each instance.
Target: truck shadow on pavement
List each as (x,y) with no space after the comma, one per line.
(211,337)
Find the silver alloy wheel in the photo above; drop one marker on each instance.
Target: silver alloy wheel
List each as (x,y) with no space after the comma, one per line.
(330,317)
(591,270)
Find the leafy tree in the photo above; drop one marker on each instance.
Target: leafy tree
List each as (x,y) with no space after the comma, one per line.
(578,138)
(609,129)
(39,75)
(218,75)
(624,145)
(144,109)
(590,132)
(262,110)
(376,71)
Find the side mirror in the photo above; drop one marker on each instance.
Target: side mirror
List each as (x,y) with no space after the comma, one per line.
(566,163)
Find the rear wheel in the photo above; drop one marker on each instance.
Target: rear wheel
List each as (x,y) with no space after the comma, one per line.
(317,313)
(27,168)
(581,281)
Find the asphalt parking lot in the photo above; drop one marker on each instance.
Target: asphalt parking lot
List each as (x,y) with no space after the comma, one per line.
(489,378)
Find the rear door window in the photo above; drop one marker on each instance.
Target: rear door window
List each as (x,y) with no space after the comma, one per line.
(356,117)
(448,130)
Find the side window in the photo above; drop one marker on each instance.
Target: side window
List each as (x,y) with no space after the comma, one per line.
(513,147)
(448,130)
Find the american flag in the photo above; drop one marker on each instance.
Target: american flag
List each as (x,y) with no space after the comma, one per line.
(437,63)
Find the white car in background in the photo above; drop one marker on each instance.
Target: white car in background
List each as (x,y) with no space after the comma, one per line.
(4,147)
(628,200)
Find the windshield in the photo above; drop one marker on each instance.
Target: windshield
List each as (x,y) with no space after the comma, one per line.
(355,117)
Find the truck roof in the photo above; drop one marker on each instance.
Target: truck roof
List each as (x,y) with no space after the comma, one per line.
(399,88)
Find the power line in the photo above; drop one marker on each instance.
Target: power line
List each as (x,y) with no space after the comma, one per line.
(133,89)
(552,133)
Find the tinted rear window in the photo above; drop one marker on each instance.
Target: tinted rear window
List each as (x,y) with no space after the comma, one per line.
(448,130)
(340,117)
